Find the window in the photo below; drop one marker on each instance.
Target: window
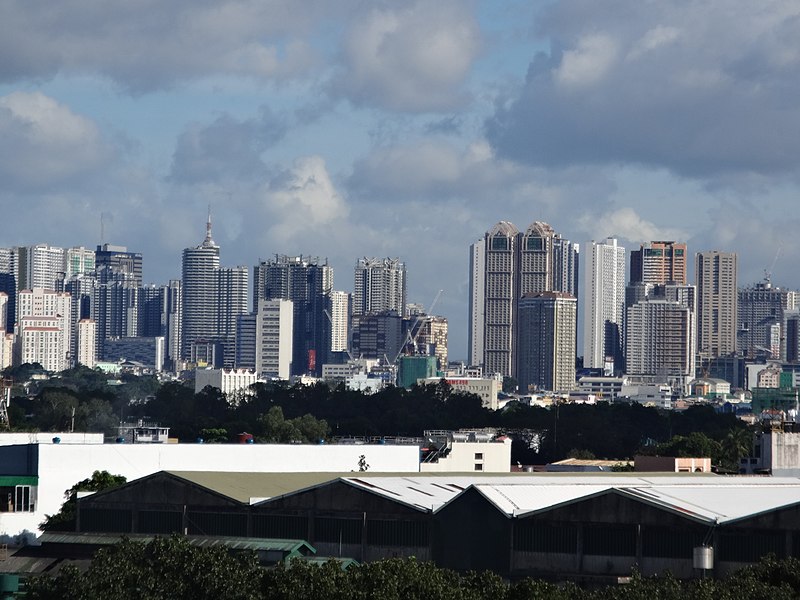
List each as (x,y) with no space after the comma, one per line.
(22,499)
(479,456)
(478,467)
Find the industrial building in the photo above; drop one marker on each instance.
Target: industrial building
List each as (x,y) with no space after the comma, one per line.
(582,527)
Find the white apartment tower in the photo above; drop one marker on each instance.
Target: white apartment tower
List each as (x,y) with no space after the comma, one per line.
(603,301)
(380,285)
(43,329)
(340,321)
(274,338)
(39,266)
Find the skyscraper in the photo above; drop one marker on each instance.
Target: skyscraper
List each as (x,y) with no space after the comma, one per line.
(717,301)
(307,282)
(274,341)
(477,302)
(658,263)
(200,298)
(501,291)
(43,329)
(546,347)
(380,285)
(660,337)
(603,298)
(39,266)
(505,265)
(232,302)
(340,321)
(760,320)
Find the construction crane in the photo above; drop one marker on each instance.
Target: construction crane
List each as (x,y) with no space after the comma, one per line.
(768,271)
(412,341)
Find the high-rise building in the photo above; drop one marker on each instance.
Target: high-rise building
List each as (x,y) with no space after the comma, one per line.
(307,282)
(8,284)
(760,319)
(566,266)
(77,261)
(172,317)
(232,302)
(246,326)
(200,293)
(658,263)
(86,342)
(660,338)
(43,328)
(39,266)
(477,302)
(378,336)
(380,285)
(717,301)
(546,347)
(340,321)
(501,291)
(505,265)
(112,262)
(3,311)
(82,288)
(603,301)
(429,333)
(274,341)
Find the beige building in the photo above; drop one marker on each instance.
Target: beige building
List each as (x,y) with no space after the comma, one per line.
(274,338)
(659,263)
(486,388)
(717,301)
(470,453)
(86,331)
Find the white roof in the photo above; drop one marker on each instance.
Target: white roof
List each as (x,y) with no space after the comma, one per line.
(703,498)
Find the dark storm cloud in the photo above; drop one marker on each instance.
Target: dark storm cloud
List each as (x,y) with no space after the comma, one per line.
(699,88)
(225,149)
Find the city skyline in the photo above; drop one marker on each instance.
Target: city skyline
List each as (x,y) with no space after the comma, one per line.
(401,129)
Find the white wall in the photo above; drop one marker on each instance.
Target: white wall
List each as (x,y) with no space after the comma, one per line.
(8,439)
(63,465)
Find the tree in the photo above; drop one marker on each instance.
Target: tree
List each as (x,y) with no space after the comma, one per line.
(163,568)
(64,519)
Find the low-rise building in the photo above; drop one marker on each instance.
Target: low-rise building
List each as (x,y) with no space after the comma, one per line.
(486,388)
(231,382)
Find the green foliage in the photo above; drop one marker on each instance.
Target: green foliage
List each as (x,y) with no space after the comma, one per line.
(162,568)
(172,568)
(305,429)
(64,519)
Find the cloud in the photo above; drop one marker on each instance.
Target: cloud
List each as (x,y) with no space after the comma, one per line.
(44,144)
(225,149)
(412,57)
(627,224)
(302,200)
(699,90)
(147,45)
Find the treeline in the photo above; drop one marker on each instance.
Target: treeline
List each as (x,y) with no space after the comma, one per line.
(172,568)
(277,412)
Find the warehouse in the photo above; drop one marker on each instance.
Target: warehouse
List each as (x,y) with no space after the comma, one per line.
(546,525)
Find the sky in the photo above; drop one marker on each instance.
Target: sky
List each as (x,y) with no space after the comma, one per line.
(404,129)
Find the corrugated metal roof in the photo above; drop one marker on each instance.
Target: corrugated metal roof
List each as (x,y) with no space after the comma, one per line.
(720,504)
(236,543)
(244,486)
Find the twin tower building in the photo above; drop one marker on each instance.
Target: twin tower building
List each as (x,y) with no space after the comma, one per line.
(523,312)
